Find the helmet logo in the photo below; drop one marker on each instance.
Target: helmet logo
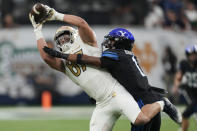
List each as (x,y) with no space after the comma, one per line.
(122,33)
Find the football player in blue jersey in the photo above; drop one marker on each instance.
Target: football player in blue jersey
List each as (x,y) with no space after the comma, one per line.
(186,79)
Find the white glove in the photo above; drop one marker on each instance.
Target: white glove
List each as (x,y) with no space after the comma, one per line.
(53,14)
(37,27)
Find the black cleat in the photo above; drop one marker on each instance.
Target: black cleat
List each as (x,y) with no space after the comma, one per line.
(172,111)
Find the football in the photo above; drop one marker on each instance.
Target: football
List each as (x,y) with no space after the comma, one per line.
(39,12)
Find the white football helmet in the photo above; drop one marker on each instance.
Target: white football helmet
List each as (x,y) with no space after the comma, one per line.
(65,37)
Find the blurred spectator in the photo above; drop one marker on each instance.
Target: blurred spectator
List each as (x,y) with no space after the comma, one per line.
(7,10)
(8,21)
(7,6)
(173,22)
(155,17)
(191,14)
(97,11)
(192,1)
(174,5)
(169,61)
(174,15)
(139,13)
(122,14)
(128,12)
(43,80)
(119,12)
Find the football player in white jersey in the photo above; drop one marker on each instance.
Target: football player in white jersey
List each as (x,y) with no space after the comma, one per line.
(112,100)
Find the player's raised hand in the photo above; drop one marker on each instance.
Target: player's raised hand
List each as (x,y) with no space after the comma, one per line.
(40,13)
(37,26)
(51,14)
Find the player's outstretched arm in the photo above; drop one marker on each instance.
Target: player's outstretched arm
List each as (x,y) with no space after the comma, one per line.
(85,31)
(51,61)
(76,58)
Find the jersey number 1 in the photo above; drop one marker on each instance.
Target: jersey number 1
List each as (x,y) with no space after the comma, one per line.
(140,70)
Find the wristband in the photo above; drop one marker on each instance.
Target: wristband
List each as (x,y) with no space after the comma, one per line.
(38,34)
(59,16)
(79,56)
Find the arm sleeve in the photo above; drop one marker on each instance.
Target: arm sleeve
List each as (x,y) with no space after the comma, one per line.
(108,59)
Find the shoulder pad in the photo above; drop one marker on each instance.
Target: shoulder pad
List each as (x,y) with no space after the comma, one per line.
(111,55)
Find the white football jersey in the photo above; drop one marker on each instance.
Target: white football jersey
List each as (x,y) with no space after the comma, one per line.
(96,82)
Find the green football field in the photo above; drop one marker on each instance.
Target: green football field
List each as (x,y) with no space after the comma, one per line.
(75,125)
(65,119)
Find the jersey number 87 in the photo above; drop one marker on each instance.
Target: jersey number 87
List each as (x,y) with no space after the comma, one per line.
(76,68)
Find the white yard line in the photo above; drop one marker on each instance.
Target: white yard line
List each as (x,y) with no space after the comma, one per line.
(55,113)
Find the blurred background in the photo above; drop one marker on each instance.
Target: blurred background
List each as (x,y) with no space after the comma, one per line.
(162,29)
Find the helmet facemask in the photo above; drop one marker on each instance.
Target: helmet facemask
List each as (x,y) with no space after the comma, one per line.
(64,40)
(65,37)
(117,43)
(108,43)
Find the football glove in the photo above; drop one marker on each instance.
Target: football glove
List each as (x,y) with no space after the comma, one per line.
(52,14)
(37,26)
(40,13)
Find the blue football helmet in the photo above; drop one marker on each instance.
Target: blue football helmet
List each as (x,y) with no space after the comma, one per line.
(191,49)
(119,38)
